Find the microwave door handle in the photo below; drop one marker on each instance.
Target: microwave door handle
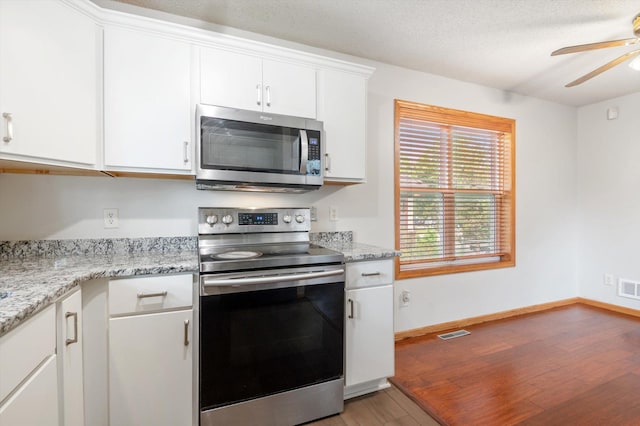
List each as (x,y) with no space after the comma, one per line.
(304,147)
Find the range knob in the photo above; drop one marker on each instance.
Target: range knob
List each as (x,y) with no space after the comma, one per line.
(212,219)
(286,218)
(227,219)
(299,218)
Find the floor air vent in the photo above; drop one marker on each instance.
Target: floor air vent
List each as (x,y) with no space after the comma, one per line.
(629,288)
(453,334)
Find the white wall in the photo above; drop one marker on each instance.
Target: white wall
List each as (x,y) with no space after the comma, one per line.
(545,199)
(41,207)
(60,207)
(609,197)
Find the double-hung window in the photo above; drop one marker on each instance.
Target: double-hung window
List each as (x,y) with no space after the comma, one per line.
(455,197)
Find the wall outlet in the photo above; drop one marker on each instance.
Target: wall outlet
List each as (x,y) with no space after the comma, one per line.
(405,298)
(314,213)
(111,218)
(609,279)
(333,213)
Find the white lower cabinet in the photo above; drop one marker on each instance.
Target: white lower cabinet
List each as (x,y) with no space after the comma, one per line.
(35,403)
(151,355)
(28,373)
(369,353)
(70,362)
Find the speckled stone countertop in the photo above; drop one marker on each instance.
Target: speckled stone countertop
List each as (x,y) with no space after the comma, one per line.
(34,274)
(352,251)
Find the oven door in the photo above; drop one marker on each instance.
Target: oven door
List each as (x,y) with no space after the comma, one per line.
(270,331)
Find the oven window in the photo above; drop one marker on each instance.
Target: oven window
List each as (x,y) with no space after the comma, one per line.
(259,343)
(235,145)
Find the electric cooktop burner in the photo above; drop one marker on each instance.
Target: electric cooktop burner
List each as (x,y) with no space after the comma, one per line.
(238,255)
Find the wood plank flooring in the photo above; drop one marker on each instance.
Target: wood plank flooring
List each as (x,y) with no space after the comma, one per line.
(388,407)
(574,365)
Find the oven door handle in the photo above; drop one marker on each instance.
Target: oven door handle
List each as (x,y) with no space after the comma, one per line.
(233,282)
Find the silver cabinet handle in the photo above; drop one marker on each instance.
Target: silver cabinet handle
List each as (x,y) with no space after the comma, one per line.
(351,308)
(75,327)
(268,96)
(186,332)
(185,158)
(327,162)
(370,274)
(8,134)
(160,294)
(259,93)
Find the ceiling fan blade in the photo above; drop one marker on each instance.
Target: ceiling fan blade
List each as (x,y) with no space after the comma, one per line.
(603,68)
(593,46)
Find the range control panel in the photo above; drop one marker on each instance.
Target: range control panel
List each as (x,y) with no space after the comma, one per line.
(217,220)
(257,218)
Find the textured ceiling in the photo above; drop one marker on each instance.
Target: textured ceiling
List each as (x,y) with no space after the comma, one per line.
(504,44)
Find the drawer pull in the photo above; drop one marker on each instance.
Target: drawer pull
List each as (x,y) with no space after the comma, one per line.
(186,332)
(160,294)
(370,274)
(350,308)
(75,327)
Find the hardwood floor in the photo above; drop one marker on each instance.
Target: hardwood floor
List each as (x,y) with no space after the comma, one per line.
(388,407)
(575,365)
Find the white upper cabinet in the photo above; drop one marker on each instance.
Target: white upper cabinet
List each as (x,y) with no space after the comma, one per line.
(289,89)
(249,82)
(230,79)
(342,107)
(147,102)
(48,83)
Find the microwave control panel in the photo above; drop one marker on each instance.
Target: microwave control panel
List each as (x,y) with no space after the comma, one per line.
(314,166)
(314,148)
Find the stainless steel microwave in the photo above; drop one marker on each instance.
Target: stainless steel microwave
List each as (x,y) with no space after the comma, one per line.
(256,151)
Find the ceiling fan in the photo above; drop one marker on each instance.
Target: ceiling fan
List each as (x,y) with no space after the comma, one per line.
(602,45)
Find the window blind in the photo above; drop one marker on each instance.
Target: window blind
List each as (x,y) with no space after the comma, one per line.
(454,190)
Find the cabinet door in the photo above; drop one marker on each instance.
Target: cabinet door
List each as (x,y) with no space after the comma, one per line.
(70,359)
(25,347)
(35,403)
(369,334)
(230,79)
(147,96)
(289,89)
(48,81)
(150,369)
(342,107)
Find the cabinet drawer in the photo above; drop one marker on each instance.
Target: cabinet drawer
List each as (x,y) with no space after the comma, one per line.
(368,274)
(150,294)
(23,349)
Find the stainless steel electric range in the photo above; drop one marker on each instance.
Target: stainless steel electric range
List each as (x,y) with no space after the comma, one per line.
(271,319)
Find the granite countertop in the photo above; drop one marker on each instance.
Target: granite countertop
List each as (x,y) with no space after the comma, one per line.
(352,251)
(34,274)
(357,252)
